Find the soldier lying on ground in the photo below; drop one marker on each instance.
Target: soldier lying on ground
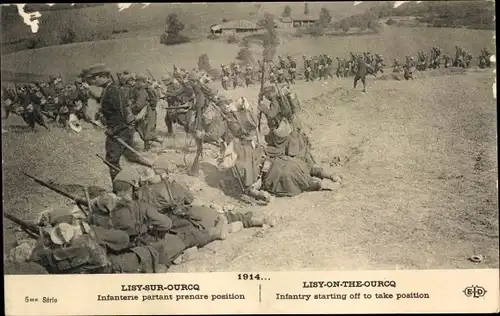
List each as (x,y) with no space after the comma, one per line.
(174,199)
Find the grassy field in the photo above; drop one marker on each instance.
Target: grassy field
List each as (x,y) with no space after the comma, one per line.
(150,21)
(138,54)
(419,157)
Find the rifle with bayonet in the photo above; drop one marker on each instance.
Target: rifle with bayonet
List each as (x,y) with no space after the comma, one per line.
(78,201)
(109,164)
(261,93)
(30,228)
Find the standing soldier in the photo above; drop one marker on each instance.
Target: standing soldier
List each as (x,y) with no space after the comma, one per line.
(225,75)
(116,116)
(307,68)
(33,113)
(143,106)
(340,67)
(236,75)
(363,70)
(248,75)
(83,96)
(409,68)
(292,69)
(272,73)
(396,67)
(280,73)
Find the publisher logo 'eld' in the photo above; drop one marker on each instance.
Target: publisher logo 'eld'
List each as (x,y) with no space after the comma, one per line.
(474,291)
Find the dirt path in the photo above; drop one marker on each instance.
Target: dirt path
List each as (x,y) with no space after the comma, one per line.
(420,163)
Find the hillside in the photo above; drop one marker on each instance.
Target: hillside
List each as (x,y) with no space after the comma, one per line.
(420,163)
(147,53)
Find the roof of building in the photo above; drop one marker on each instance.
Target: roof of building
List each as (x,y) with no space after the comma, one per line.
(238,24)
(304,17)
(286,19)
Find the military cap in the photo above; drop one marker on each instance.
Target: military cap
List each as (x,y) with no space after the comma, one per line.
(166,78)
(127,77)
(192,76)
(125,72)
(141,77)
(78,80)
(268,89)
(96,70)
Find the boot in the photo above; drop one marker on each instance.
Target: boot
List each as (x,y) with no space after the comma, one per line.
(259,221)
(221,229)
(235,227)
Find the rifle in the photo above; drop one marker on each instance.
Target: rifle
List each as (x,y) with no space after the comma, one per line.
(30,228)
(150,74)
(109,164)
(261,95)
(61,192)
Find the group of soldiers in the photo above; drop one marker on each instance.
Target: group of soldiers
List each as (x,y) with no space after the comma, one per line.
(148,221)
(35,102)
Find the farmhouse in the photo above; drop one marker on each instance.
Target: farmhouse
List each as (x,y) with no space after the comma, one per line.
(286,23)
(303,20)
(234,27)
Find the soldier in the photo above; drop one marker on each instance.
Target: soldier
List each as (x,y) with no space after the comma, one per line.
(292,70)
(396,67)
(83,97)
(409,68)
(248,75)
(447,61)
(140,220)
(177,94)
(32,113)
(9,101)
(117,117)
(272,73)
(379,63)
(363,70)
(225,75)
(307,68)
(143,105)
(280,74)
(282,107)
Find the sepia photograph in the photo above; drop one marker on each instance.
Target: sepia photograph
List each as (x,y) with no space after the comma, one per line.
(142,138)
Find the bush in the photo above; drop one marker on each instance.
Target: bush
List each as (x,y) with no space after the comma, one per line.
(315,31)
(167,39)
(212,36)
(204,62)
(245,56)
(68,37)
(99,36)
(232,39)
(33,43)
(214,72)
(390,22)
(119,31)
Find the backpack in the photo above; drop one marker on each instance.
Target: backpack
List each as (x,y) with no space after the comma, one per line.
(83,255)
(152,97)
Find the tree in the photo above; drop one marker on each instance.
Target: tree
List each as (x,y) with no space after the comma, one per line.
(68,37)
(174,25)
(325,17)
(344,25)
(204,63)
(306,8)
(270,40)
(172,34)
(287,12)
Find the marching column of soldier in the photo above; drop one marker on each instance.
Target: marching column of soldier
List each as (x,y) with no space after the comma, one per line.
(148,221)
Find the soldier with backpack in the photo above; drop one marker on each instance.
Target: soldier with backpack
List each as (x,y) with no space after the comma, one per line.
(144,101)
